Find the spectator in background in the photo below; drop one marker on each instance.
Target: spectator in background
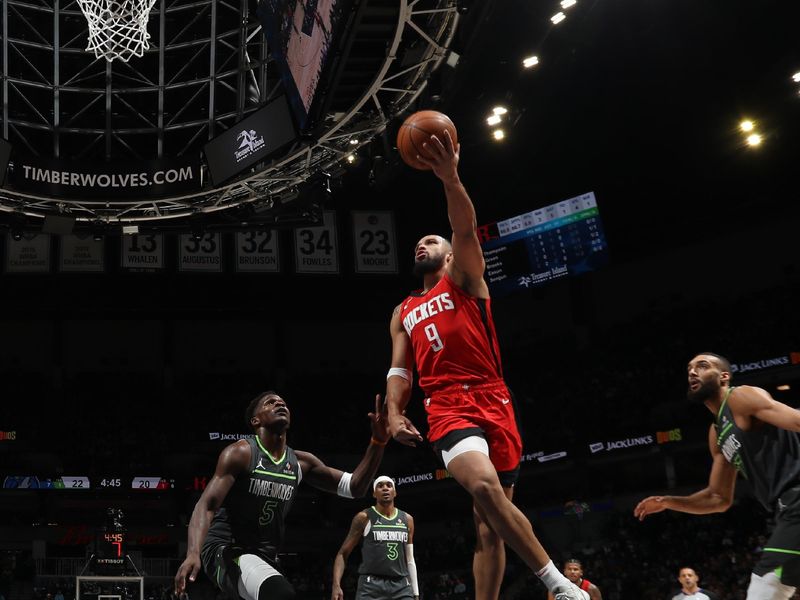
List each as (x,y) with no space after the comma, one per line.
(689,589)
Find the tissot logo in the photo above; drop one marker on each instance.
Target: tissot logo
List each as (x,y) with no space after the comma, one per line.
(249,143)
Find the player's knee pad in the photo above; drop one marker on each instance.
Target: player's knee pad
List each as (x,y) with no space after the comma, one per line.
(276,588)
(768,587)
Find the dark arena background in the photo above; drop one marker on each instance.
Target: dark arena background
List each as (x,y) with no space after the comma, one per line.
(227,213)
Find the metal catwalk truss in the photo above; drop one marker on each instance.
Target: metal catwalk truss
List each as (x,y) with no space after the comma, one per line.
(208,67)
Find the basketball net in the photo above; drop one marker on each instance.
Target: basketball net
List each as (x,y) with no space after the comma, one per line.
(117,28)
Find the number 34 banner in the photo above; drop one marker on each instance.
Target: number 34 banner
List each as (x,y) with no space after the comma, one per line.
(374,242)
(316,248)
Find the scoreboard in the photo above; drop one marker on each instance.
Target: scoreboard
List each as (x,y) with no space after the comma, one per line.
(565,238)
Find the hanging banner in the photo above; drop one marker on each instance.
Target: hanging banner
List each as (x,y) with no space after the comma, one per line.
(257,251)
(316,248)
(31,254)
(87,179)
(81,255)
(142,251)
(374,242)
(202,254)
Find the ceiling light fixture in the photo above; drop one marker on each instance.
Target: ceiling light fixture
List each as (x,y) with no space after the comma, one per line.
(493,120)
(531,61)
(498,134)
(558,17)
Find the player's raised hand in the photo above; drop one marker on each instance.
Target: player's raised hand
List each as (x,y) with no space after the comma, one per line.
(649,506)
(442,156)
(378,421)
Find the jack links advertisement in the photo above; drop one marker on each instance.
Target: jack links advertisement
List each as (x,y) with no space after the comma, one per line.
(88,179)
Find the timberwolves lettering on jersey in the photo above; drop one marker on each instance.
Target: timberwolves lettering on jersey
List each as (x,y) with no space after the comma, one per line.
(453,337)
(252,516)
(768,456)
(383,550)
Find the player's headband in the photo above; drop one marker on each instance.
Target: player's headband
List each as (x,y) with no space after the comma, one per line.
(381,478)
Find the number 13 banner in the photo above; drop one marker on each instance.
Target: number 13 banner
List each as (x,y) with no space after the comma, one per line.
(374,241)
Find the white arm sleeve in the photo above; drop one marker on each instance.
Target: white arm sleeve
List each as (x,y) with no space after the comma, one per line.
(344,486)
(412,569)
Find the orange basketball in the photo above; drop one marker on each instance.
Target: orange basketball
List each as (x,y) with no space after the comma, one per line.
(417,130)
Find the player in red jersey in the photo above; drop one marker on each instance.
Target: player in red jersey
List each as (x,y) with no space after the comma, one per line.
(447,330)
(573,570)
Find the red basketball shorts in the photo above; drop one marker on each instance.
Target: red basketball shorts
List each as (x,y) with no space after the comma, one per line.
(488,407)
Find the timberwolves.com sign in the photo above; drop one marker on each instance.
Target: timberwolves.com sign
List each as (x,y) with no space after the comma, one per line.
(68,179)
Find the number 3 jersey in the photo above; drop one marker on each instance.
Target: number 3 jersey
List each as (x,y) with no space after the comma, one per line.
(453,337)
(253,513)
(383,550)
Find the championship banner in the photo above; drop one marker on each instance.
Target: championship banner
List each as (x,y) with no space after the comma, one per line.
(31,254)
(202,254)
(142,251)
(316,248)
(374,241)
(81,255)
(257,251)
(87,179)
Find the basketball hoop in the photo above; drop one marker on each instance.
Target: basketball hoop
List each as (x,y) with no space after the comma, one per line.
(117,28)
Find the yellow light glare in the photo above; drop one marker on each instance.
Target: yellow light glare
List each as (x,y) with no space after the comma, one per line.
(531,61)
(784,388)
(568,3)
(351,158)
(558,17)
(354,141)
(499,110)
(498,134)
(754,139)
(747,125)
(493,120)
(796,77)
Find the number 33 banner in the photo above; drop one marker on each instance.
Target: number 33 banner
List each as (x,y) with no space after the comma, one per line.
(315,248)
(374,242)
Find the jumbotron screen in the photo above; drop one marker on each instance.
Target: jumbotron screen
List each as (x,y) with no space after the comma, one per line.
(301,34)
(565,238)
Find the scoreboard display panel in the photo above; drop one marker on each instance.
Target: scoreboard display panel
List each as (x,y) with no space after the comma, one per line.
(565,238)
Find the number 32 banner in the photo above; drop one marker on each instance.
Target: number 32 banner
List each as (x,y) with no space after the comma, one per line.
(374,242)
(316,248)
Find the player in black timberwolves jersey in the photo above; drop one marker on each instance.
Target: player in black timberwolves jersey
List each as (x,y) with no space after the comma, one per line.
(388,570)
(757,436)
(237,525)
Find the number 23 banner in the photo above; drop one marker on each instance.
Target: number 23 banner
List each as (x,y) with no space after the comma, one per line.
(374,242)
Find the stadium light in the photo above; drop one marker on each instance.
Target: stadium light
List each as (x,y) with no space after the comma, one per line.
(558,17)
(784,387)
(754,139)
(568,3)
(351,158)
(493,120)
(796,77)
(498,134)
(531,61)
(747,125)
(499,110)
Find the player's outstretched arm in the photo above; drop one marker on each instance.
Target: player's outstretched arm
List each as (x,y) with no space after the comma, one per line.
(716,497)
(351,541)
(398,385)
(468,263)
(757,402)
(233,460)
(355,484)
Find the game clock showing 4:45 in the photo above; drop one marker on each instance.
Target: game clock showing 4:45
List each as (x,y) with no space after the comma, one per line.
(111,544)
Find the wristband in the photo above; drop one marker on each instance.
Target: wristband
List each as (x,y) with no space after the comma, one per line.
(375,442)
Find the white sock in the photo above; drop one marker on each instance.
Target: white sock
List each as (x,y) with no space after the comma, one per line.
(551,577)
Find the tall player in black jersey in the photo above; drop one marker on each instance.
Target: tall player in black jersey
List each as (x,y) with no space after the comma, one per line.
(758,436)
(237,525)
(388,570)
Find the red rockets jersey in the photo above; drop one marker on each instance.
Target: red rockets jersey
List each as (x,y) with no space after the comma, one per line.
(453,337)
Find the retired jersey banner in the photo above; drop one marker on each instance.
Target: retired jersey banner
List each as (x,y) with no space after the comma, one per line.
(143,251)
(316,248)
(81,254)
(257,251)
(374,241)
(202,254)
(31,254)
(87,179)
